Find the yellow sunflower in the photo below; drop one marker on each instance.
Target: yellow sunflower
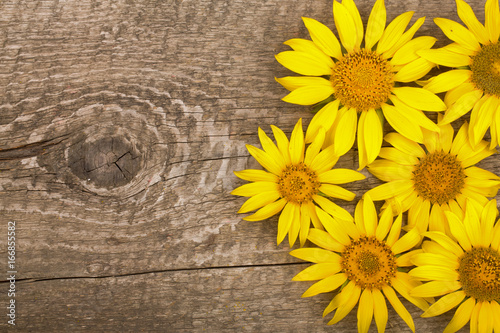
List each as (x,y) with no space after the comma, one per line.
(475,81)
(363,259)
(294,183)
(430,181)
(465,272)
(357,80)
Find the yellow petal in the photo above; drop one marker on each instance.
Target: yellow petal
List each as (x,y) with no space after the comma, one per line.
(444,304)
(445,242)
(323,37)
(486,315)
(409,240)
(405,145)
(346,307)
(297,145)
(408,52)
(285,221)
(461,316)
(488,217)
(370,219)
(395,231)
(345,26)
(315,147)
(304,63)
(379,310)
(259,201)
(372,134)
(389,190)
(405,37)
(326,285)
(335,191)
(429,272)
(402,124)
(492,20)
(393,32)
(413,70)
(305,223)
(340,176)
(376,24)
(307,46)
(398,306)
(454,94)
(294,82)
(264,159)
(433,259)
(403,284)
(345,132)
(419,98)
(448,80)
(481,117)
(435,288)
(333,227)
(251,189)
(353,11)
(293,232)
(414,115)
(445,57)
(323,118)
(325,240)
(365,311)
(469,18)
(318,271)
(267,211)
(384,224)
(457,229)
(309,95)
(362,154)
(389,171)
(458,33)
(282,141)
(398,156)
(324,161)
(270,148)
(253,175)
(316,255)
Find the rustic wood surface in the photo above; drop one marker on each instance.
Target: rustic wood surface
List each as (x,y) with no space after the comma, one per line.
(121,123)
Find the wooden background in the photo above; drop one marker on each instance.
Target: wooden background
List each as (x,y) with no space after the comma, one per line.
(121,123)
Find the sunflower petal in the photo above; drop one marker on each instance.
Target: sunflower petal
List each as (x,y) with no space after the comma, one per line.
(402,124)
(389,190)
(346,26)
(285,221)
(444,304)
(492,20)
(429,272)
(258,201)
(347,306)
(324,240)
(304,63)
(469,18)
(379,310)
(393,32)
(323,118)
(318,271)
(461,316)
(419,98)
(326,285)
(445,57)
(376,24)
(293,82)
(435,288)
(340,176)
(309,95)
(365,311)
(373,133)
(323,37)
(458,33)
(345,132)
(316,255)
(448,80)
(335,191)
(413,70)
(297,145)
(398,306)
(409,240)
(254,175)
(408,52)
(267,211)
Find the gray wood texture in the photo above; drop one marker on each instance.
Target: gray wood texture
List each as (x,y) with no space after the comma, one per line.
(121,123)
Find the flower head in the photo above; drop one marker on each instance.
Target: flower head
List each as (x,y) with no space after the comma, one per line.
(358,80)
(294,183)
(431,181)
(465,271)
(362,261)
(474,83)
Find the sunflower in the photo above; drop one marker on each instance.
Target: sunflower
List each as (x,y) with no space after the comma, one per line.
(475,81)
(465,272)
(294,183)
(430,181)
(363,259)
(357,81)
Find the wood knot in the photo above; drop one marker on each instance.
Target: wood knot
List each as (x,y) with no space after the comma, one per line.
(106,162)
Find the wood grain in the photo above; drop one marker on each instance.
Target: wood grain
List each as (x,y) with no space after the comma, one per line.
(121,123)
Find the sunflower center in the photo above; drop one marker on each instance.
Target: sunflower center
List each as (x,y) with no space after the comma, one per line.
(297,183)
(439,177)
(479,274)
(369,262)
(485,68)
(362,80)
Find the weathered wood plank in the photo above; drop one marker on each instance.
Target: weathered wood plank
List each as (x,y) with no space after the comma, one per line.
(121,123)
(248,299)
